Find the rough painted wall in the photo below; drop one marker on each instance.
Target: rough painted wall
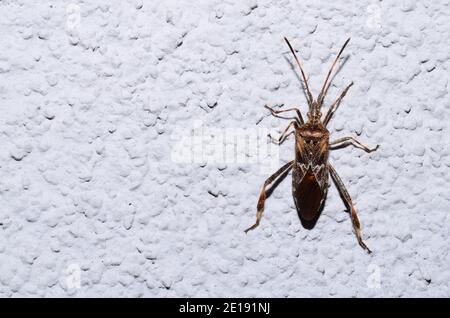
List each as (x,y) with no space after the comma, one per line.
(96,201)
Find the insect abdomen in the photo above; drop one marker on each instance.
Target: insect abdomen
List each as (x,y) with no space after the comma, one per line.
(308,192)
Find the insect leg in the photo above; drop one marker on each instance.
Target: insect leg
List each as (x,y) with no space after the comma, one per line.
(284,135)
(275,113)
(262,195)
(350,140)
(335,105)
(349,203)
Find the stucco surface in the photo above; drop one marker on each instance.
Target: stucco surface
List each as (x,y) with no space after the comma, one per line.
(94,201)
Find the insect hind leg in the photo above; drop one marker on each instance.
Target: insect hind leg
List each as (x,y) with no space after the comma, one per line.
(262,195)
(348,201)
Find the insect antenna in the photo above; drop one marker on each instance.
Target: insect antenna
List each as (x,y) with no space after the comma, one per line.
(325,86)
(308,93)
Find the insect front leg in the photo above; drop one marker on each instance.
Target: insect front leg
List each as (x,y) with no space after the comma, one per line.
(348,201)
(298,119)
(345,141)
(335,105)
(284,135)
(262,195)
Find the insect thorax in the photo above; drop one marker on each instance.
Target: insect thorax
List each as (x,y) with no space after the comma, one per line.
(311,144)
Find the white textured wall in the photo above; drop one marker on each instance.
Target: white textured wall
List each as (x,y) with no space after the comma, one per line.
(88,184)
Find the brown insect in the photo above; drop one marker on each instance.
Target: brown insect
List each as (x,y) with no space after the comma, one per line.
(310,166)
